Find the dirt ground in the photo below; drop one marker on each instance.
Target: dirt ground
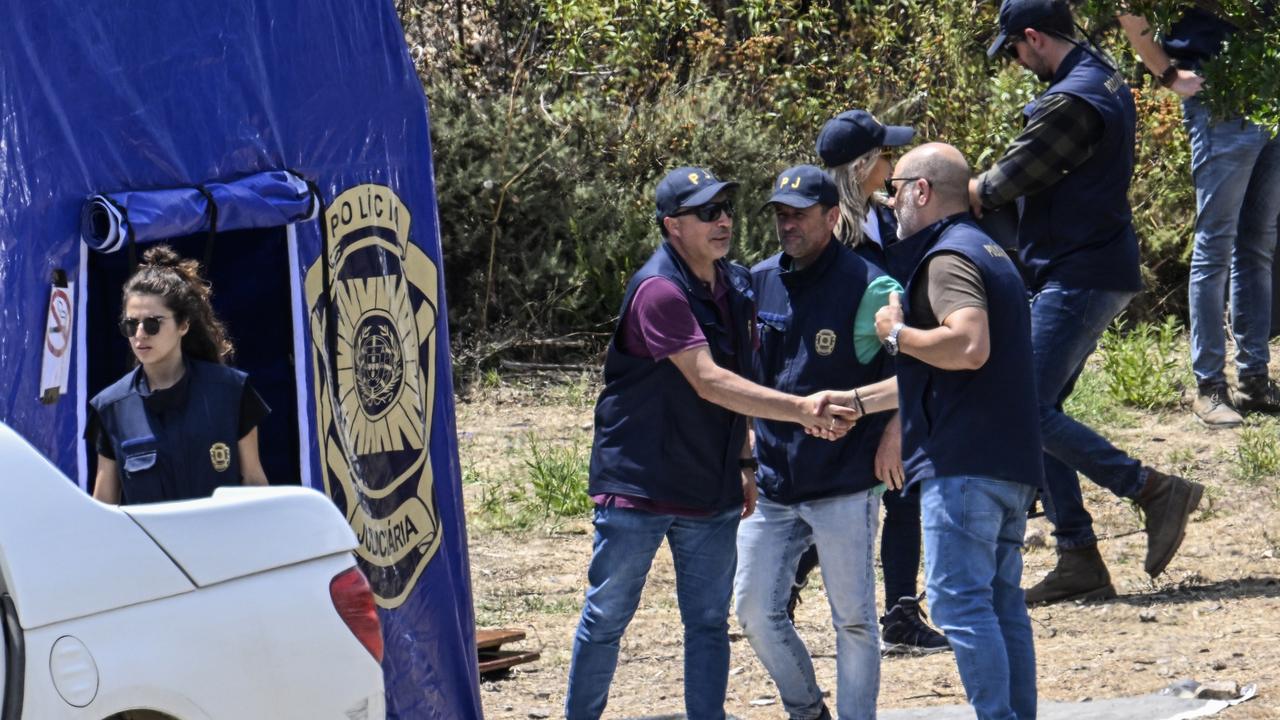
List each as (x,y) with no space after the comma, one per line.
(1214,615)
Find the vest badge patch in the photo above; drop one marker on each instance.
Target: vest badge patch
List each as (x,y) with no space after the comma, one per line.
(824,343)
(994,250)
(220,456)
(373,299)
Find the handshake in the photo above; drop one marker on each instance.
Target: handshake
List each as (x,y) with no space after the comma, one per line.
(829,414)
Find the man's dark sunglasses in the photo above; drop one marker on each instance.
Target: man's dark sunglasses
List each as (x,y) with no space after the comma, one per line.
(709,212)
(150,326)
(892,190)
(1011,47)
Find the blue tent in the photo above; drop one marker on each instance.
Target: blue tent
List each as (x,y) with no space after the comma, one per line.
(285,143)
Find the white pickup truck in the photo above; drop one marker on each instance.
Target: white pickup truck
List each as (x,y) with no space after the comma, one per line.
(245,605)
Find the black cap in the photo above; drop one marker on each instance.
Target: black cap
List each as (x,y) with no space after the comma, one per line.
(687,187)
(854,133)
(803,186)
(1018,15)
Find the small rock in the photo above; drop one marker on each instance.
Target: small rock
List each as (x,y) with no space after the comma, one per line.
(1219,690)
(763,700)
(1219,665)
(738,670)
(543,695)
(1084,699)
(585,426)
(1035,539)
(1147,616)
(539,714)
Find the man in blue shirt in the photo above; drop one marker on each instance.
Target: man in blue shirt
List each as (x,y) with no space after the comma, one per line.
(1235,165)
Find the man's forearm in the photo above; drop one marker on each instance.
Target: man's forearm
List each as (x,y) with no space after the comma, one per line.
(1138,30)
(732,391)
(873,398)
(943,347)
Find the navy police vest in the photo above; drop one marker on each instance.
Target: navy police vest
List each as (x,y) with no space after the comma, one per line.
(654,437)
(805,318)
(183,451)
(1079,231)
(980,422)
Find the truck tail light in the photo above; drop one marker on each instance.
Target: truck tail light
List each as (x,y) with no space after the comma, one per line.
(353,599)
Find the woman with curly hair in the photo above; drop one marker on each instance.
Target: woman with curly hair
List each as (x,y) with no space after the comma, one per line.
(182,423)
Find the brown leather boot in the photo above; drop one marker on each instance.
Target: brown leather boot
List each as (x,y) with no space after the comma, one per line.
(1167,501)
(1080,575)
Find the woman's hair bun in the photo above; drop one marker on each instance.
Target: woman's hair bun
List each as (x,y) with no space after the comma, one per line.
(161,256)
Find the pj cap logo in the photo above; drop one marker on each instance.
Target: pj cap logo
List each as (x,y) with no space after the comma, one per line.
(373,349)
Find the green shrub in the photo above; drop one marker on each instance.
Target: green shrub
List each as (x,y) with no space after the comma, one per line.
(1143,367)
(552,120)
(558,476)
(1257,455)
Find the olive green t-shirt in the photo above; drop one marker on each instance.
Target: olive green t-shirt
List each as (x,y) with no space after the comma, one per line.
(952,282)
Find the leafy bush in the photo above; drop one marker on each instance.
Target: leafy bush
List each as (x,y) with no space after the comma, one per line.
(552,120)
(558,475)
(1258,450)
(1143,366)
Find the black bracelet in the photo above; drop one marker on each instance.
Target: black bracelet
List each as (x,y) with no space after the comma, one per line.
(748,463)
(857,404)
(1169,75)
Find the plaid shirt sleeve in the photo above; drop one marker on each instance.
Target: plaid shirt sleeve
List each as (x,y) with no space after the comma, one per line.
(1060,136)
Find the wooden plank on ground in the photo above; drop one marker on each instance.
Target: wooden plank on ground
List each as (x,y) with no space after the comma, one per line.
(495,660)
(496,637)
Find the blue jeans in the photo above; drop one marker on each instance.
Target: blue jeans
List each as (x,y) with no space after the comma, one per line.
(1236,171)
(1066,324)
(770,543)
(973,530)
(625,543)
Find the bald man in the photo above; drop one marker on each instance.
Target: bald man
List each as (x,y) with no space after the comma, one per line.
(970,435)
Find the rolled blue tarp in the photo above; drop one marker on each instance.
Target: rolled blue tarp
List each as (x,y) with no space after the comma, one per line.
(267,199)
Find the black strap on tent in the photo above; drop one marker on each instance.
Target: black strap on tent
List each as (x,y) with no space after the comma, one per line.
(213,226)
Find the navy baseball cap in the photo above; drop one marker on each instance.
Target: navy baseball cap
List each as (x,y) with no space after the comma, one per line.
(803,186)
(688,187)
(854,133)
(1018,15)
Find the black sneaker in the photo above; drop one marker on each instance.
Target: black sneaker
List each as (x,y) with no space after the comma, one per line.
(1256,393)
(905,632)
(824,715)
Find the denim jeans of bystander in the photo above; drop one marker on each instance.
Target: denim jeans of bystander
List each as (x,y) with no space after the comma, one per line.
(1235,166)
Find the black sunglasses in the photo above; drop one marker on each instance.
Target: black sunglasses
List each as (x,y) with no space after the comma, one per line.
(150,326)
(891,189)
(1011,47)
(709,212)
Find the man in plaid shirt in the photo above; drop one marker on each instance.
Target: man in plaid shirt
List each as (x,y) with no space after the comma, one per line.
(1069,173)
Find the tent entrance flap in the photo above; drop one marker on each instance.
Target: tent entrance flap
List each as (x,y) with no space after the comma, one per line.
(109,221)
(251,295)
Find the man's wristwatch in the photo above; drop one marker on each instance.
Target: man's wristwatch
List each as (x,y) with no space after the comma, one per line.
(1169,75)
(891,340)
(748,463)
